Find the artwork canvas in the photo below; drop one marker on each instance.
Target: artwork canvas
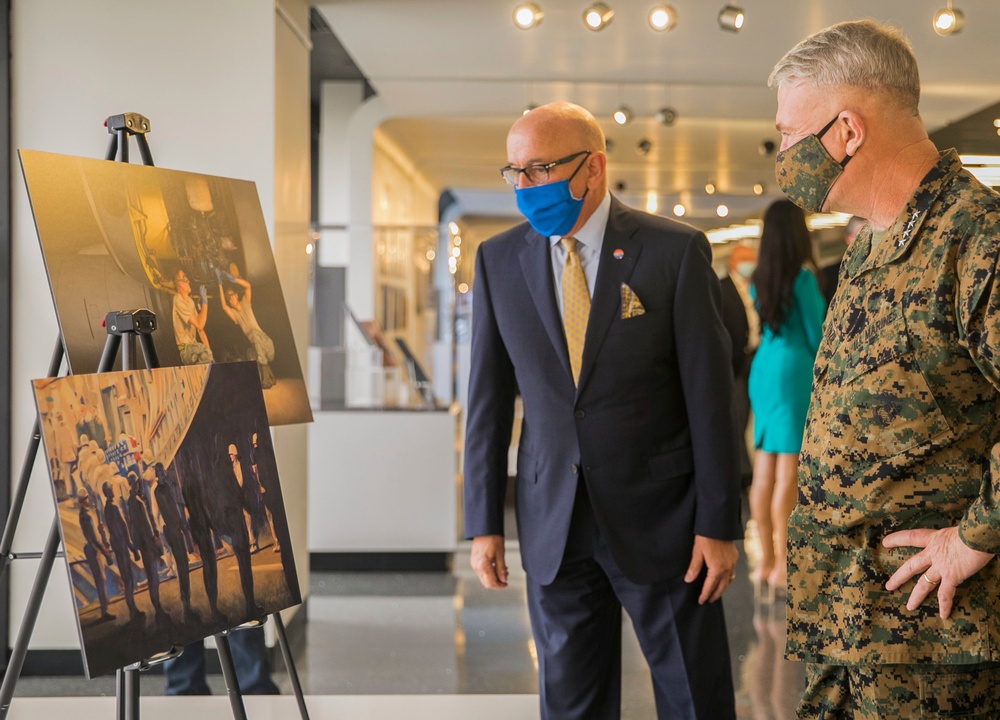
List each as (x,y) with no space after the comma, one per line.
(191,248)
(169,505)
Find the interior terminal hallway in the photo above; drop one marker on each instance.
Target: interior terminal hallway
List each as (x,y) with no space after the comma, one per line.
(435,645)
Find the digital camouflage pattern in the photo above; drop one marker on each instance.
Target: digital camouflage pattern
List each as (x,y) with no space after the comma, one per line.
(900,692)
(903,432)
(805,172)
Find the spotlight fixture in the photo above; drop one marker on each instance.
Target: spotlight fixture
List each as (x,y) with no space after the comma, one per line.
(662,17)
(528,108)
(731,18)
(666,116)
(609,146)
(758,188)
(623,115)
(643,147)
(710,188)
(996,123)
(598,16)
(948,21)
(766,147)
(722,210)
(679,210)
(527,15)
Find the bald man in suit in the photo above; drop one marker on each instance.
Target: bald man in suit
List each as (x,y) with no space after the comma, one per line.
(607,323)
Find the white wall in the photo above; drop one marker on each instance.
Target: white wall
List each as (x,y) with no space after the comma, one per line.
(204,74)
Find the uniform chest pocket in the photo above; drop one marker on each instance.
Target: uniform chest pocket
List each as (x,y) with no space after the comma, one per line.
(887,399)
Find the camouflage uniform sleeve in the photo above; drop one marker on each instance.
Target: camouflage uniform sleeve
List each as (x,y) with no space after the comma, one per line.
(979,329)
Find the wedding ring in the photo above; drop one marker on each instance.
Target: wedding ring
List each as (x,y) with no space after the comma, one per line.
(733,576)
(928,580)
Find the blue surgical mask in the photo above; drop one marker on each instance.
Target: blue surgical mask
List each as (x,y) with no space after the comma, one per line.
(551,208)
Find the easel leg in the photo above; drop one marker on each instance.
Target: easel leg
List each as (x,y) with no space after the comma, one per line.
(132,693)
(20,648)
(286,654)
(17,502)
(120,691)
(229,674)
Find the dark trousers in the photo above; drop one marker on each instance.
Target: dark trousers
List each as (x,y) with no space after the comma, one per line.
(576,622)
(186,674)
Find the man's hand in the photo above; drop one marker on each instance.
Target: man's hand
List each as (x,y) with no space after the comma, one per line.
(488,561)
(944,563)
(720,557)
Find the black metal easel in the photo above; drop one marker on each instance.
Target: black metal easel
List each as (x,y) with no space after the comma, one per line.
(133,325)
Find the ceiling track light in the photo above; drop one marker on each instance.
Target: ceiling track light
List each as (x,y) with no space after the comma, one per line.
(948,21)
(527,15)
(710,188)
(598,16)
(622,115)
(662,17)
(758,188)
(731,18)
(666,116)
(528,108)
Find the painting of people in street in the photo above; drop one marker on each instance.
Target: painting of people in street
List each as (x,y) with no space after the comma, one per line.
(191,248)
(169,504)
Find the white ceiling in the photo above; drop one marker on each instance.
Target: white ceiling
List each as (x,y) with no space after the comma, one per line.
(454,74)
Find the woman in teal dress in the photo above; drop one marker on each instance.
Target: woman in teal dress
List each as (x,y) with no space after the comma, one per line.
(791,307)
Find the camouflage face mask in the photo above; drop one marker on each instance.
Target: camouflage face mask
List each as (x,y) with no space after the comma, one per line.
(806,171)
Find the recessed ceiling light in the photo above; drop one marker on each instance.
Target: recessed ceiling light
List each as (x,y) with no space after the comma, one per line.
(597,16)
(758,188)
(710,188)
(679,210)
(662,17)
(722,210)
(527,15)
(623,115)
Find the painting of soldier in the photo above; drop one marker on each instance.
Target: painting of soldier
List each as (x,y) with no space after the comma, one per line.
(177,529)
(191,248)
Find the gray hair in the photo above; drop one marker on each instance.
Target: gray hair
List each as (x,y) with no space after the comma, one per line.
(858,53)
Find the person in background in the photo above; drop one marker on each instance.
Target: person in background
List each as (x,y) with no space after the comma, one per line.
(830,274)
(741,321)
(791,309)
(893,586)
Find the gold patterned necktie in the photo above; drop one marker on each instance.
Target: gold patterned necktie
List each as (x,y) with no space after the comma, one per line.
(576,305)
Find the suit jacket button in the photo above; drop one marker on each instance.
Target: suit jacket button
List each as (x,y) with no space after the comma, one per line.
(575,468)
(579,414)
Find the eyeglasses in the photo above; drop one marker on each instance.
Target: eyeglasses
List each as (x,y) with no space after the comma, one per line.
(537,174)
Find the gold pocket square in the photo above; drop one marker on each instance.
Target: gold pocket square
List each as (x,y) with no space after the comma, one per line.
(631,307)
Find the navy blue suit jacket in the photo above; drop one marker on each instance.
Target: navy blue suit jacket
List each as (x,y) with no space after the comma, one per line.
(650,426)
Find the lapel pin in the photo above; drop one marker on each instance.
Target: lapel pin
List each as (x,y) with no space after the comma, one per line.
(618,253)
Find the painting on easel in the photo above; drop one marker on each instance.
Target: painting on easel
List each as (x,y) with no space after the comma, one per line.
(169,505)
(192,248)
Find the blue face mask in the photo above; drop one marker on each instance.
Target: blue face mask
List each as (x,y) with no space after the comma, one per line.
(551,208)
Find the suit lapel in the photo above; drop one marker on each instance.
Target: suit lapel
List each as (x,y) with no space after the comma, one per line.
(537,265)
(611,273)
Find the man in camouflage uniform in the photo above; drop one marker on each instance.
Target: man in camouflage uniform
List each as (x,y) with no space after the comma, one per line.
(893,592)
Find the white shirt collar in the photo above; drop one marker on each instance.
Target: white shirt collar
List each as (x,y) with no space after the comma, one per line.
(592,232)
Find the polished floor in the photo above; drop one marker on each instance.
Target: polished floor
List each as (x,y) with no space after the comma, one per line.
(436,645)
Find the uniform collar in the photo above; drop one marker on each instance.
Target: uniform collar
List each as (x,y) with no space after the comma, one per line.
(899,236)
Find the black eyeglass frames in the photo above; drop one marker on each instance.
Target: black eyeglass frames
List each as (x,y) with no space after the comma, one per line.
(536,174)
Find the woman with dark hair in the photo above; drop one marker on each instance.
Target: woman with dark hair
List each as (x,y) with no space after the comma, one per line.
(791,307)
